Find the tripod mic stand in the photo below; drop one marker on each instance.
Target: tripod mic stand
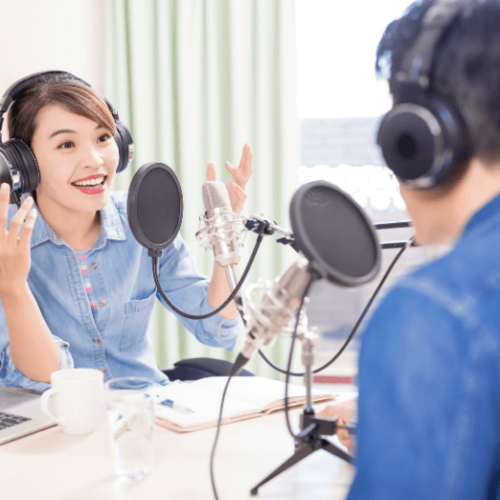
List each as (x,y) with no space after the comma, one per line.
(313,429)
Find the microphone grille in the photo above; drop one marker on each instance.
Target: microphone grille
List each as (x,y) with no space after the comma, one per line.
(215,195)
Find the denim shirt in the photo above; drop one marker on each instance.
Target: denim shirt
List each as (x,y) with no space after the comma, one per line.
(113,338)
(429,377)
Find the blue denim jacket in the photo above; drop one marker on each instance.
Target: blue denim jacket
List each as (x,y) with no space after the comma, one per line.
(429,377)
(115,337)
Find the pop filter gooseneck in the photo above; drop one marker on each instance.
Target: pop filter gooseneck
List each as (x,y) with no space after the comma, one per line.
(337,238)
(154,207)
(337,242)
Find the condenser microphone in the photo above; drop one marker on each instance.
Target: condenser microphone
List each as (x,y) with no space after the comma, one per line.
(222,229)
(279,305)
(337,243)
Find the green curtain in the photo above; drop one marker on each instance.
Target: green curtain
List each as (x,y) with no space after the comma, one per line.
(195,80)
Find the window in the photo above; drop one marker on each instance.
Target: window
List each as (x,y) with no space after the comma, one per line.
(340,103)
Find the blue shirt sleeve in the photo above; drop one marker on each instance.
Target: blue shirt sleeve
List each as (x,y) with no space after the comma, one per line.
(187,289)
(413,406)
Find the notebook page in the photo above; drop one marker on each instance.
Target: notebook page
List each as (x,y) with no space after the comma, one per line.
(259,392)
(204,403)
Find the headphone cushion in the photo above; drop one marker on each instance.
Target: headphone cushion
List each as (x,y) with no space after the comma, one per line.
(22,159)
(423,143)
(125,144)
(407,144)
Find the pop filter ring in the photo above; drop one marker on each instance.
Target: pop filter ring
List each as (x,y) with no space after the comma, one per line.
(154,249)
(317,265)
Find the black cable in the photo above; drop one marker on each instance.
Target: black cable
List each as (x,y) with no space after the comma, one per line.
(277,368)
(341,350)
(219,423)
(354,329)
(290,356)
(228,300)
(363,314)
(288,371)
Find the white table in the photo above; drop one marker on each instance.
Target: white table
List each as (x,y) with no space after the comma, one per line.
(52,465)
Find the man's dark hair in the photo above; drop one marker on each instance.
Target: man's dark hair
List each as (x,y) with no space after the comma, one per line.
(466,65)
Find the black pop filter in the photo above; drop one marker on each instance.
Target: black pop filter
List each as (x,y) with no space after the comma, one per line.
(335,234)
(154,206)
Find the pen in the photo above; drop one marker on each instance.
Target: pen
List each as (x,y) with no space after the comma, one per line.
(177,407)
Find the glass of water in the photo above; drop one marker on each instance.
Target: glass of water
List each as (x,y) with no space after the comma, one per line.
(130,409)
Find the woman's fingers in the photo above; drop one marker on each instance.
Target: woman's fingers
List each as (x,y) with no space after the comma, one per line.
(25,238)
(211,173)
(4,207)
(245,166)
(238,177)
(237,196)
(244,170)
(18,219)
(239,192)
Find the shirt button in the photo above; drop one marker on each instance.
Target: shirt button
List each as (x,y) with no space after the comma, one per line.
(94,266)
(97,341)
(103,370)
(102,303)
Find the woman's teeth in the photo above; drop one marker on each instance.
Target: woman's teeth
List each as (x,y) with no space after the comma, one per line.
(89,182)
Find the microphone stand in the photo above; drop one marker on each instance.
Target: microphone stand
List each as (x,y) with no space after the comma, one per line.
(313,428)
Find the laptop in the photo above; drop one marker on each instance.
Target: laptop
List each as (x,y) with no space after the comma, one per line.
(20,414)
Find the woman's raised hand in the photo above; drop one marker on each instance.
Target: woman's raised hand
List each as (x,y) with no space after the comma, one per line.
(239,178)
(15,251)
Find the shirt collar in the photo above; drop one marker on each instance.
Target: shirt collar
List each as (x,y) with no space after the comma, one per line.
(486,216)
(111,228)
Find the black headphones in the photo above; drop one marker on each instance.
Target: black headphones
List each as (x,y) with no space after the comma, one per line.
(18,165)
(424,136)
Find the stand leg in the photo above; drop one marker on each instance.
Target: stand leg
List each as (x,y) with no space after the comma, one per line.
(335,450)
(313,428)
(300,453)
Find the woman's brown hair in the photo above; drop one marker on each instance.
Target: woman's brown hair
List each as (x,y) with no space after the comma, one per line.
(60,89)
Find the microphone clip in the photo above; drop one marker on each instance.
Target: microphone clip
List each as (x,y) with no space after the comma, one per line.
(223,226)
(260,225)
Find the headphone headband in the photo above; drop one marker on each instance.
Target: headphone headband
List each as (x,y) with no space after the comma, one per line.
(417,65)
(17,87)
(424,137)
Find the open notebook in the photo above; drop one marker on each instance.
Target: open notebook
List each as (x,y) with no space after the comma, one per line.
(247,397)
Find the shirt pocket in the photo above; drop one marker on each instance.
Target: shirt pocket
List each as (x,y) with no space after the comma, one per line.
(135,325)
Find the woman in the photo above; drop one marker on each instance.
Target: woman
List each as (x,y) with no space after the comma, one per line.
(76,289)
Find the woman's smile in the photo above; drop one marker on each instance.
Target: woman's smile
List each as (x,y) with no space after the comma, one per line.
(93,184)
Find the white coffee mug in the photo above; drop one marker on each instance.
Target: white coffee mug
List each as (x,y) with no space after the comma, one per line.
(78,399)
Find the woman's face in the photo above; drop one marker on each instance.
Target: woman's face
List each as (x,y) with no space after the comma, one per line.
(77,158)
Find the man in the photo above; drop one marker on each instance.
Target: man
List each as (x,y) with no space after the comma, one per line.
(429,368)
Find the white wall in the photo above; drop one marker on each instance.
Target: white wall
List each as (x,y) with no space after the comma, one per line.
(38,35)
(336,45)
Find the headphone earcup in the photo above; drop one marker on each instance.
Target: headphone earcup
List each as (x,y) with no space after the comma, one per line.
(125,144)
(422,144)
(23,166)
